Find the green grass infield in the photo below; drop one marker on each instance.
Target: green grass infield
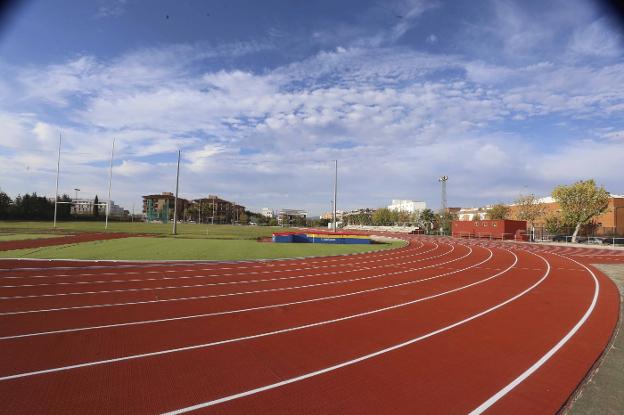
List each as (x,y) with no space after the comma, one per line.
(147,248)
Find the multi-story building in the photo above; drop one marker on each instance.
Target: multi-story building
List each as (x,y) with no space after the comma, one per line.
(330,215)
(267,213)
(472,213)
(213,209)
(161,207)
(612,220)
(85,207)
(291,217)
(408,206)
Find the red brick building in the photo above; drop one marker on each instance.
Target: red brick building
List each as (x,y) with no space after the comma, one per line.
(490,229)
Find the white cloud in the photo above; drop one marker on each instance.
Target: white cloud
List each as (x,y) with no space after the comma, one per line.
(396,118)
(111,8)
(597,39)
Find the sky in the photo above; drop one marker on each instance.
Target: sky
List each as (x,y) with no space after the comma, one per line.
(503,97)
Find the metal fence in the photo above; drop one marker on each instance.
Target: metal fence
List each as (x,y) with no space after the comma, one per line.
(592,235)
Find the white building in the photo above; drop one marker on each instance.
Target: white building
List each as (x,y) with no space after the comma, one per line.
(267,213)
(409,206)
(85,207)
(470,213)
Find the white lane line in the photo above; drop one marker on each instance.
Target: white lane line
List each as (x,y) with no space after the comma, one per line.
(173,287)
(10,313)
(504,391)
(225,274)
(340,262)
(359,359)
(277,262)
(236,311)
(255,336)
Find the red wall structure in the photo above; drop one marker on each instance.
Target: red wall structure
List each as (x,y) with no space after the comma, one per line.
(491,229)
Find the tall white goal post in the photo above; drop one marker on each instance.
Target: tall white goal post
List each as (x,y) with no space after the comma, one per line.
(107,204)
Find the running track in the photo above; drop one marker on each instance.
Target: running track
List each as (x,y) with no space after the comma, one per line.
(440,326)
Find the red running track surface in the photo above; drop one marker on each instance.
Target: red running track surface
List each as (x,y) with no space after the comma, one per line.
(62,240)
(440,326)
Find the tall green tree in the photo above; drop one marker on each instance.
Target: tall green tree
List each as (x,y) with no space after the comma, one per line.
(446,221)
(529,208)
(427,219)
(581,202)
(96,207)
(384,217)
(5,205)
(498,212)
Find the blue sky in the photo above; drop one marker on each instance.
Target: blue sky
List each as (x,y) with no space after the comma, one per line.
(503,97)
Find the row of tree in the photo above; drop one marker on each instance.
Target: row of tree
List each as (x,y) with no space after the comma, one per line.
(32,206)
(579,204)
(425,219)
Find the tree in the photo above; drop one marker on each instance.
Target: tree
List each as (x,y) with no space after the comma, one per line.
(529,208)
(384,217)
(5,205)
(446,220)
(96,207)
(403,216)
(554,223)
(498,212)
(426,219)
(580,202)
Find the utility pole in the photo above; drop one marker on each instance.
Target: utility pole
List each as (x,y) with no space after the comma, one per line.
(58,169)
(335,191)
(175,204)
(110,183)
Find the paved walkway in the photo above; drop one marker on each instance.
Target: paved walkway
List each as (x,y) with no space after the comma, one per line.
(604,391)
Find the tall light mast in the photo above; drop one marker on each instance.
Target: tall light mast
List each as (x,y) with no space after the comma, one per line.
(443,181)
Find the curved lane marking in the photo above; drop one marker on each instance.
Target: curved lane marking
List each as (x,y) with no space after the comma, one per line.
(173,287)
(275,262)
(504,391)
(359,359)
(8,313)
(233,274)
(255,336)
(237,311)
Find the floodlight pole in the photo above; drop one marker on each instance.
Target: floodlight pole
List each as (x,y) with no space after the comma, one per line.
(335,191)
(58,169)
(443,181)
(110,183)
(175,202)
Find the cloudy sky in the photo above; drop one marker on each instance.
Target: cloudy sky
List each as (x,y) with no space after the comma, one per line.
(503,97)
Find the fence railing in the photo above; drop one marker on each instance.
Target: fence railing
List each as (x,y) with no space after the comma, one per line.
(588,240)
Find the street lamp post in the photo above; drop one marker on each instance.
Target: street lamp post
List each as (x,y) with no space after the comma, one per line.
(76,201)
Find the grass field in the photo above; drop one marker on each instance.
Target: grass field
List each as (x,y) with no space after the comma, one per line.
(181,248)
(184,229)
